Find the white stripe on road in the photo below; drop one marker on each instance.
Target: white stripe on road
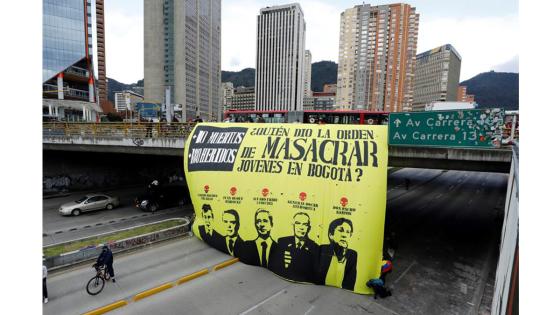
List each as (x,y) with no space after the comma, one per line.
(407,269)
(261,303)
(309,310)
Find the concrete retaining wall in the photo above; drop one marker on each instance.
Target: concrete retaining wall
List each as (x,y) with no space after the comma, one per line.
(92,252)
(506,287)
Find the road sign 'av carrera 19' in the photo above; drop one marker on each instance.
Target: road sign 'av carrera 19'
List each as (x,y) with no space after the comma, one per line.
(460,128)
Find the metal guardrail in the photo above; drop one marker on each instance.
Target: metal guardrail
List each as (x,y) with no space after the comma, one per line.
(117,129)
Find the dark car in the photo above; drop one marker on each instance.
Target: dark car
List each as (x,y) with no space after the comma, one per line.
(161,196)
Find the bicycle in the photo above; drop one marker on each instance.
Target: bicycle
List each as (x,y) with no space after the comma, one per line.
(97,283)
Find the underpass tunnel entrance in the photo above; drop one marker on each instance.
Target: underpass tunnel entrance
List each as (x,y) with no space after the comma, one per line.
(67,171)
(445,229)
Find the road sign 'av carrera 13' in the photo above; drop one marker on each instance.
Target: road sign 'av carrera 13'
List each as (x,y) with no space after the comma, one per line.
(460,128)
(305,201)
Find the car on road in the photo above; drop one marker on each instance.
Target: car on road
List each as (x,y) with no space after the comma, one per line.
(89,202)
(161,196)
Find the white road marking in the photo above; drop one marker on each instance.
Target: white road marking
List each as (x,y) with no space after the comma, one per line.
(406,270)
(309,310)
(264,301)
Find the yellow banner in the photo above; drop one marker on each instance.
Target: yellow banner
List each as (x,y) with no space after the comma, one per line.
(305,201)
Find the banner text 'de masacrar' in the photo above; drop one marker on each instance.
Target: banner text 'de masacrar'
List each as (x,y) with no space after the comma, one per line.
(305,201)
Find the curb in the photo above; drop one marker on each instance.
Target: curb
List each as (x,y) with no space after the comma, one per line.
(225,264)
(152,291)
(90,257)
(193,276)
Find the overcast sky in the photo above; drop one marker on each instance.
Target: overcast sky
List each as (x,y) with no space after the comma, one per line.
(485,33)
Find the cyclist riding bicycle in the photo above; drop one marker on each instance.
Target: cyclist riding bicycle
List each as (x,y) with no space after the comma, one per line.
(106,258)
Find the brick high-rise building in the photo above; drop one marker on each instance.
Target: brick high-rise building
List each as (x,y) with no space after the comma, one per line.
(279,74)
(101,70)
(377,51)
(307,92)
(436,77)
(182,42)
(462,95)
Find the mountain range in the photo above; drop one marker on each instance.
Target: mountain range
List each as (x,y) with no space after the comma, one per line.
(490,89)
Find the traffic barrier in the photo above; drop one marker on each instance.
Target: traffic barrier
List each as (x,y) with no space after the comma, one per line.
(225,264)
(107,308)
(91,252)
(193,276)
(152,291)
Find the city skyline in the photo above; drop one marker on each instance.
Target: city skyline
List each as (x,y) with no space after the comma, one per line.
(493,25)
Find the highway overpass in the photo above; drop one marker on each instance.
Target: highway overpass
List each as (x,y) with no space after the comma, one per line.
(138,139)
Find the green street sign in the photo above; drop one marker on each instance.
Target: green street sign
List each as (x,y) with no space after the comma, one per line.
(458,128)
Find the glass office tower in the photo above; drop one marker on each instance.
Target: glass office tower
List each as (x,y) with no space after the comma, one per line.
(68,80)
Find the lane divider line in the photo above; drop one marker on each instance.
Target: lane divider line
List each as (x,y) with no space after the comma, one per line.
(193,276)
(152,291)
(163,287)
(225,264)
(107,308)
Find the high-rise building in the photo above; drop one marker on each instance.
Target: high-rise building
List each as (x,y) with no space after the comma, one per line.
(127,100)
(182,43)
(100,27)
(280,65)
(68,69)
(227,93)
(376,57)
(307,92)
(243,98)
(462,95)
(436,77)
(323,100)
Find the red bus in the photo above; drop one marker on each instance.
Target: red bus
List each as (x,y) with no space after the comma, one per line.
(357,117)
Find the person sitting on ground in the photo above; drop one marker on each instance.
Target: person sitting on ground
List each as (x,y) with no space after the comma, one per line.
(378,284)
(106,259)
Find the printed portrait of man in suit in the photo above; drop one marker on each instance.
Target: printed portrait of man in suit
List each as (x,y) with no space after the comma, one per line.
(207,231)
(297,256)
(337,266)
(257,251)
(232,243)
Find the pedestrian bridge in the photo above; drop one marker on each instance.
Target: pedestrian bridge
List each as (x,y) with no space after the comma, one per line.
(169,139)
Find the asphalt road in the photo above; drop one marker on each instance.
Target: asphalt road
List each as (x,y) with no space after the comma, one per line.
(58,228)
(446,228)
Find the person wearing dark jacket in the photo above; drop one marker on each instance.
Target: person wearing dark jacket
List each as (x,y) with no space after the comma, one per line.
(45,292)
(106,258)
(337,263)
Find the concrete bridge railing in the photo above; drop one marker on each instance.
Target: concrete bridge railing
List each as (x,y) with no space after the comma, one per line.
(162,139)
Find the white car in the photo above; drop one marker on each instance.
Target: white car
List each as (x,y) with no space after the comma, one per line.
(89,202)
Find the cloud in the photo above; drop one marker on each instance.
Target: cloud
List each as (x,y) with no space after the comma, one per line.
(239,34)
(482,42)
(124,46)
(239,31)
(509,66)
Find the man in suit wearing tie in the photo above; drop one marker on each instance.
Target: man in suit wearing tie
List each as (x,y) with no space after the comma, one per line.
(297,256)
(206,231)
(337,264)
(257,251)
(232,243)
